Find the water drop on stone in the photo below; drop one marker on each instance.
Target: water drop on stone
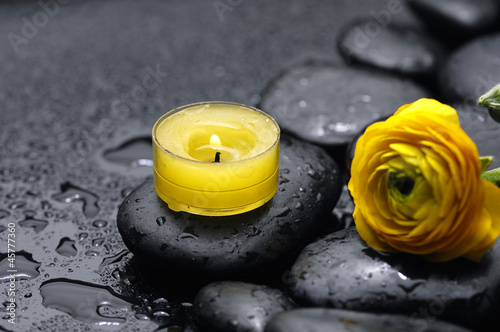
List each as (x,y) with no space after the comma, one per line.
(37,224)
(83,301)
(161,220)
(97,242)
(66,247)
(70,193)
(100,223)
(24,265)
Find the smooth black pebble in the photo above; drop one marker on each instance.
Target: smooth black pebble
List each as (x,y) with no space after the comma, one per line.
(483,130)
(329,105)
(392,48)
(457,20)
(237,306)
(341,271)
(471,71)
(247,244)
(336,320)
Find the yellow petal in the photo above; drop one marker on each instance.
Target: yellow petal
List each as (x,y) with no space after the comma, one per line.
(368,234)
(431,108)
(492,206)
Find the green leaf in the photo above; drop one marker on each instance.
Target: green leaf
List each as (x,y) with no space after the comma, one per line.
(491,100)
(484,162)
(492,176)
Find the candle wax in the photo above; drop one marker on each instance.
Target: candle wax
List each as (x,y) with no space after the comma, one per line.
(187,175)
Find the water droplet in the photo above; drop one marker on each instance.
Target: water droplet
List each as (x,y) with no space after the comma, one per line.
(99,223)
(113,259)
(161,314)
(70,193)
(91,253)
(142,317)
(126,191)
(17,205)
(83,301)
(189,233)
(24,264)
(283,212)
(97,242)
(252,231)
(161,220)
(134,152)
(66,247)
(37,224)
(4,213)
(83,236)
(45,205)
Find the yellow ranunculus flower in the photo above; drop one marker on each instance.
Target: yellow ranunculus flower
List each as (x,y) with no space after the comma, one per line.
(415,181)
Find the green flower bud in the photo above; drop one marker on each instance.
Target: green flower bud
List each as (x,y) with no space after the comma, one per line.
(491,100)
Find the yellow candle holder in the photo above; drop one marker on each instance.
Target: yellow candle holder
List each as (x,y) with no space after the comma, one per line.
(215,158)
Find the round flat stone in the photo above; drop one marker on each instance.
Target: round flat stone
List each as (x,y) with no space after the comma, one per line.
(457,20)
(392,48)
(238,306)
(309,186)
(341,271)
(471,71)
(329,105)
(335,320)
(483,130)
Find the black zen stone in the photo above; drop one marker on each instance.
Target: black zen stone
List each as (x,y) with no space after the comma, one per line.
(238,306)
(483,130)
(249,243)
(457,20)
(341,271)
(336,320)
(471,71)
(329,105)
(392,48)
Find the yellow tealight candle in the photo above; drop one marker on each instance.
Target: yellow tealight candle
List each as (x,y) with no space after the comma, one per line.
(215,158)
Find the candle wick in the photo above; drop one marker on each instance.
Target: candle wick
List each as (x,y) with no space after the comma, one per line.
(217,157)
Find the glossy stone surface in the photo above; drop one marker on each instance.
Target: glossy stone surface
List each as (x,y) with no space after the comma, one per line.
(483,130)
(237,306)
(248,243)
(329,105)
(341,271)
(457,20)
(471,71)
(392,48)
(335,320)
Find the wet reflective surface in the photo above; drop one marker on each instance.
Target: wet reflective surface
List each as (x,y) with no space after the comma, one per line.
(83,83)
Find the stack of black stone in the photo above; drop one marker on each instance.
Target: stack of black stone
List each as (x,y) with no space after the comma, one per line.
(292,264)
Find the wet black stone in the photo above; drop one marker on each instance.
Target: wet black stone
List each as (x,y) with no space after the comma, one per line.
(471,71)
(483,130)
(341,271)
(237,306)
(393,48)
(335,320)
(249,243)
(329,105)
(457,20)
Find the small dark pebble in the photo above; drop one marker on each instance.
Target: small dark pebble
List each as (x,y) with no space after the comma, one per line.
(335,320)
(236,306)
(341,271)
(393,48)
(272,235)
(329,105)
